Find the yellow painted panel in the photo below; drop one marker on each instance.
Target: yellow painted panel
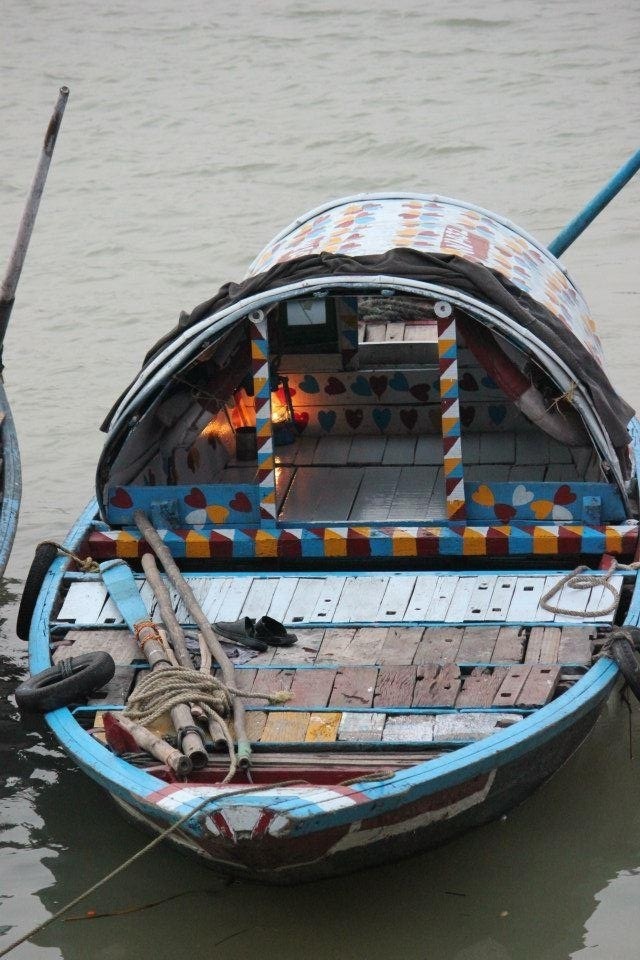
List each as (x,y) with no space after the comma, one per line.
(323,727)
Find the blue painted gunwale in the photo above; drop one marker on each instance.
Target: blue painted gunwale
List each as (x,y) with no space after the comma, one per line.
(11,483)
(135,787)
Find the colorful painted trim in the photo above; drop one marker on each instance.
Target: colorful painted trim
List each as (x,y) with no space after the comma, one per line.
(363,542)
(207,504)
(577,502)
(262,399)
(372,225)
(450,411)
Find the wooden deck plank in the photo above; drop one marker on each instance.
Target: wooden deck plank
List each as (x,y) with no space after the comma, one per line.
(501,597)
(394,686)
(120,644)
(524,604)
(376,494)
(460,601)
(284,726)
(353,686)
(395,599)
(255,724)
(83,602)
(470,726)
(268,682)
(233,600)
(511,686)
(576,645)
(497,448)
(413,493)
(338,489)
(480,687)
(361,726)
(366,645)
(332,451)
(400,645)
(532,448)
(543,645)
(408,729)
(282,597)
(304,599)
(439,645)
(366,449)
(335,644)
(359,597)
(480,599)
(509,645)
(323,727)
(258,599)
(327,599)
(540,685)
(477,644)
(304,651)
(439,688)
(418,607)
(312,688)
(429,450)
(399,451)
(443,594)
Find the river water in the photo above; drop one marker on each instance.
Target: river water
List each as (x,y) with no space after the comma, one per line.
(194,132)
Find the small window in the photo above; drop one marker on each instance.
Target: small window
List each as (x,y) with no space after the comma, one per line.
(308,326)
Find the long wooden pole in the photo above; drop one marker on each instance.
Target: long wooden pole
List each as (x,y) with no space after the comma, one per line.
(580,222)
(163,554)
(19,252)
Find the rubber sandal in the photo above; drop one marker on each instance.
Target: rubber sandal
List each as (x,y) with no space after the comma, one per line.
(257,634)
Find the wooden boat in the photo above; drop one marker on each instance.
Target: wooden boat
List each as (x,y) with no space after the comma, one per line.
(396,439)
(10,469)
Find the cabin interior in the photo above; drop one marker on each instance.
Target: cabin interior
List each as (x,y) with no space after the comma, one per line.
(348,389)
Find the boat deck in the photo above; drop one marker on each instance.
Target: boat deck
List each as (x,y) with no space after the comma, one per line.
(413,663)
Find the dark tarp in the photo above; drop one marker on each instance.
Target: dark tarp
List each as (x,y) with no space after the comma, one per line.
(447,271)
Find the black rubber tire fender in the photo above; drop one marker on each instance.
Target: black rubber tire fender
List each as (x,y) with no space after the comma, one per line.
(44,556)
(623,651)
(69,681)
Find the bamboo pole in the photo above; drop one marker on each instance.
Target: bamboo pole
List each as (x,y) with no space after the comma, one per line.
(155,745)
(19,252)
(160,549)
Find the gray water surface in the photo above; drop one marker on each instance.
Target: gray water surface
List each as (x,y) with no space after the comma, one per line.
(194,132)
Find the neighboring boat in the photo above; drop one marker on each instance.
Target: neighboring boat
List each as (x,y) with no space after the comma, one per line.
(377,462)
(10,472)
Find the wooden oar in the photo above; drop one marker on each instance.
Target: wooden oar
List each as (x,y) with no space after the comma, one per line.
(579,223)
(19,252)
(121,585)
(163,554)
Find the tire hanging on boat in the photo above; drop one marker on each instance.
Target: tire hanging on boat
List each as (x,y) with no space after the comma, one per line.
(623,648)
(44,556)
(69,681)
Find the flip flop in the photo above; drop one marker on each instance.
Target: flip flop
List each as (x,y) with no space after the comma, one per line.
(257,634)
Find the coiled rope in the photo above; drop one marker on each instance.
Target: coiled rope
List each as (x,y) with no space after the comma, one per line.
(579,579)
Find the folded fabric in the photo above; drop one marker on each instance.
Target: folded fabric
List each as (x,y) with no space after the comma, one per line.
(257,634)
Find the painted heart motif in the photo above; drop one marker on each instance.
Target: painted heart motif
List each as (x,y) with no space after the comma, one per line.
(353,418)
(327,420)
(561,514)
(399,382)
(309,384)
(196,518)
(217,514)
(497,413)
(381,418)
(541,509)
(488,382)
(333,386)
(409,418)
(468,382)
(420,391)
(563,495)
(241,503)
(361,387)
(196,499)
(302,419)
(378,384)
(467,415)
(483,496)
(121,499)
(521,496)
(504,512)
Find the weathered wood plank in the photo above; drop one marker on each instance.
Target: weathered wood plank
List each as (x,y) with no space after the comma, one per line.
(395,599)
(511,686)
(440,602)
(305,650)
(361,726)
(480,687)
(480,599)
(312,688)
(540,685)
(543,645)
(360,597)
(420,602)
(439,690)
(400,644)
(119,643)
(509,645)
(394,686)
(323,727)
(304,599)
(268,682)
(498,606)
(471,726)
(284,726)
(576,645)
(353,686)
(335,644)
(83,602)
(258,599)
(460,601)
(439,644)
(366,645)
(407,729)
(477,644)
(117,690)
